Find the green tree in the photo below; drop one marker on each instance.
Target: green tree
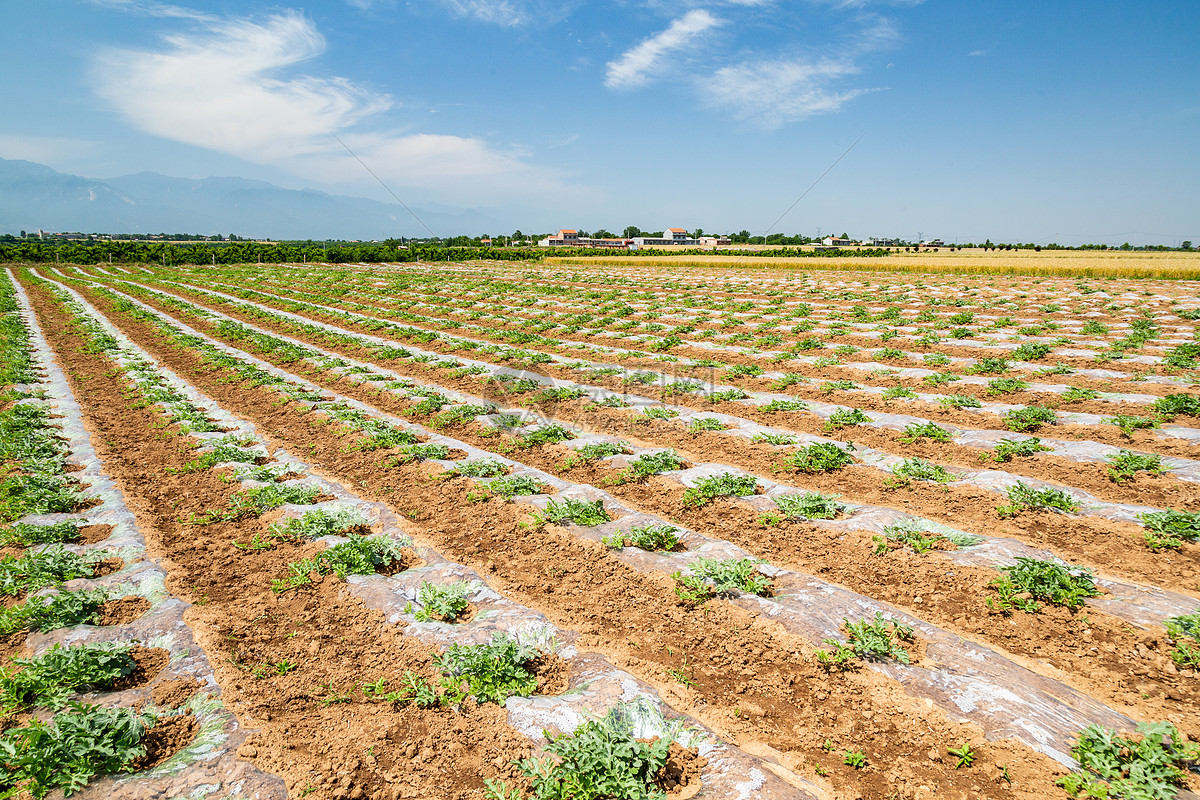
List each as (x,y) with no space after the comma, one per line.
(632,231)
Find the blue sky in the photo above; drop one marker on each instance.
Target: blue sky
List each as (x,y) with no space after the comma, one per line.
(1026,121)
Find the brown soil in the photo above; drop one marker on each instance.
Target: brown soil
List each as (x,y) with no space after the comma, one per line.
(150,661)
(94,534)
(167,737)
(174,693)
(553,673)
(679,778)
(107,567)
(123,610)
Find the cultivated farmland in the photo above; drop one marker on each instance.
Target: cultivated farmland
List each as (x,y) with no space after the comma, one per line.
(601,530)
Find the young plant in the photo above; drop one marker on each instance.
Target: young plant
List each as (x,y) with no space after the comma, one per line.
(654,463)
(712,576)
(819,457)
(896,392)
(926,430)
(444,603)
(317,523)
(709,488)
(1149,766)
(989,366)
(810,505)
(774,438)
(844,418)
(510,486)
(51,566)
(783,405)
(1125,464)
(1023,497)
(361,555)
(922,470)
(1170,528)
(256,501)
(22,534)
(1008,449)
(480,468)
(1076,395)
(1180,630)
(67,752)
(959,401)
(1000,386)
(1171,405)
(581,512)
(873,640)
(1041,580)
(494,671)
(1129,423)
(646,537)
(48,612)
(1029,418)
(701,424)
(599,450)
(50,679)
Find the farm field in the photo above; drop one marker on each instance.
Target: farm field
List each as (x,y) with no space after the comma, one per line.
(528,531)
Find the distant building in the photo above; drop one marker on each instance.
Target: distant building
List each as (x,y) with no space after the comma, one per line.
(671,236)
(834,241)
(877,242)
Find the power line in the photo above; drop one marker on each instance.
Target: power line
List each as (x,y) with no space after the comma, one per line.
(384,185)
(814,183)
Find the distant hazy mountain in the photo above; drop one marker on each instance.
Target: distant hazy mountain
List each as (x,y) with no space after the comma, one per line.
(33,196)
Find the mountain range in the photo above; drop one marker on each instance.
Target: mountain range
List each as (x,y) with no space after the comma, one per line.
(35,197)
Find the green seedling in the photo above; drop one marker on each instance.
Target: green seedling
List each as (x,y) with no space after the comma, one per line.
(819,457)
(1001,386)
(494,671)
(926,430)
(774,438)
(480,468)
(647,537)
(810,505)
(709,488)
(1021,585)
(1172,405)
(49,680)
(257,501)
(1008,449)
(1076,395)
(1184,632)
(702,424)
(855,758)
(511,486)
(48,612)
(964,756)
(67,752)
(959,401)
(1151,765)
(727,395)
(319,522)
(844,418)
(783,405)
(898,392)
(989,366)
(1170,528)
(921,470)
(581,512)
(711,577)
(21,534)
(659,412)
(1029,418)
(362,555)
(1025,498)
(599,450)
(655,463)
(1125,464)
(1129,423)
(444,603)
(51,566)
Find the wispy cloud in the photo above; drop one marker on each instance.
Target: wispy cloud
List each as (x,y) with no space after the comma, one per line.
(636,66)
(233,86)
(775,92)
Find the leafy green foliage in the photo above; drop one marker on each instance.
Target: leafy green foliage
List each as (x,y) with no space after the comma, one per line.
(647,537)
(1031,351)
(511,486)
(69,751)
(989,366)
(844,418)
(701,424)
(783,405)
(317,523)
(709,488)
(1171,405)
(810,505)
(1000,386)
(959,401)
(48,680)
(361,555)
(712,576)
(1008,449)
(47,612)
(1170,528)
(774,438)
(911,533)
(602,759)
(1041,580)
(829,387)
(21,534)
(1181,629)
(1029,418)
(1128,423)
(1147,768)
(895,392)
(258,500)
(924,430)
(444,603)
(1125,464)
(494,671)
(480,468)
(873,640)
(599,450)
(923,470)
(727,395)
(1023,497)
(582,512)
(654,463)
(1074,394)
(51,566)
(660,412)
(819,457)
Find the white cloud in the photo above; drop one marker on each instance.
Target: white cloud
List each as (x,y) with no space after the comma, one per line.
(636,66)
(776,92)
(231,87)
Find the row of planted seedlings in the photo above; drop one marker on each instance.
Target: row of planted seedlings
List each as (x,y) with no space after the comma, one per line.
(664,339)
(778,315)
(959,407)
(712,570)
(102,676)
(615,734)
(1162,530)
